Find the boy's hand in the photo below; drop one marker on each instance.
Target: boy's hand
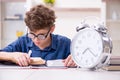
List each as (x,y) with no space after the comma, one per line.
(19,58)
(69,62)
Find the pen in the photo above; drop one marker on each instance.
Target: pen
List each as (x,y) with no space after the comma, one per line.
(29,52)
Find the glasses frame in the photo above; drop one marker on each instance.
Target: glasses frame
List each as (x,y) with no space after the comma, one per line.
(44,36)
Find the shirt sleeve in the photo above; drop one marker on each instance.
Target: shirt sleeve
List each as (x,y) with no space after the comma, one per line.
(16,46)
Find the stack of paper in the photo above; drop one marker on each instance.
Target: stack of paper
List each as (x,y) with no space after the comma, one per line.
(114,64)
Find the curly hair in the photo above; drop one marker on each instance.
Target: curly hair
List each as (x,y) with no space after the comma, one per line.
(39,17)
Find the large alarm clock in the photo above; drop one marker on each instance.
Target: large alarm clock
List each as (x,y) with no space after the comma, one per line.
(91,47)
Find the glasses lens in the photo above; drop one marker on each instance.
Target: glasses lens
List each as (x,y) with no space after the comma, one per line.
(41,37)
(30,35)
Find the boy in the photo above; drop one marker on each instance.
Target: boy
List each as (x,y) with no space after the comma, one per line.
(39,40)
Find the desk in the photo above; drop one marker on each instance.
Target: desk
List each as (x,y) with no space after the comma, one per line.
(57,74)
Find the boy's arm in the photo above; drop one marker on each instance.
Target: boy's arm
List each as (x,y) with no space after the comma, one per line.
(5,56)
(19,58)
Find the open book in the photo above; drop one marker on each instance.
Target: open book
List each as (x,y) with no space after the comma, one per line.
(37,63)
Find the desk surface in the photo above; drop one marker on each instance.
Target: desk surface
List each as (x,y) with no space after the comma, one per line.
(56,74)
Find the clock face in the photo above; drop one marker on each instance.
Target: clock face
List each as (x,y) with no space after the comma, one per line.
(87,47)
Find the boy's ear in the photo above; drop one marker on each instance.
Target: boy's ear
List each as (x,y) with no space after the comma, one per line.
(52,29)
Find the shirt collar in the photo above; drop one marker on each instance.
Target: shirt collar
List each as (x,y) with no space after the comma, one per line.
(54,42)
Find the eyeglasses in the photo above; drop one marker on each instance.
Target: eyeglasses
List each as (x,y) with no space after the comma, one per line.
(39,36)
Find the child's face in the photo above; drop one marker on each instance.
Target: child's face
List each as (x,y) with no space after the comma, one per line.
(40,37)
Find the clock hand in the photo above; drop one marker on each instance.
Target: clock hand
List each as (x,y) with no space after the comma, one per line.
(84,50)
(88,49)
(91,52)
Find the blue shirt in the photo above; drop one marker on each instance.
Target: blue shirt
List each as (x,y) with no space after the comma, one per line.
(59,48)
